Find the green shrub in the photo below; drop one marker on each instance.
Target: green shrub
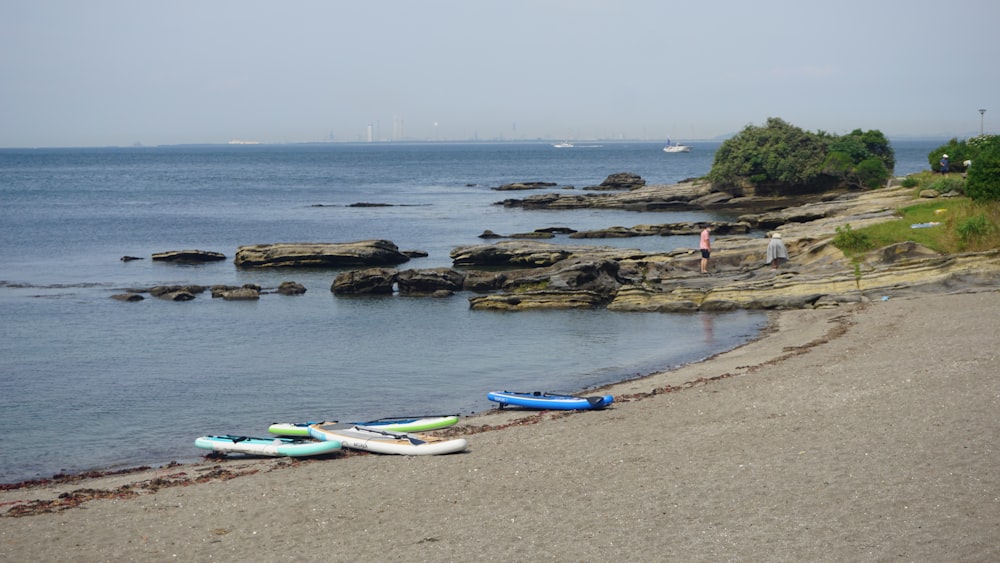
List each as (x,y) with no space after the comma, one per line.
(948,184)
(782,159)
(876,146)
(957,151)
(871,173)
(973,148)
(850,241)
(838,163)
(910,182)
(983,182)
(778,155)
(977,226)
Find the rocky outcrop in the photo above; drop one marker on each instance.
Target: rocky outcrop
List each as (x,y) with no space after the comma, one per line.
(689,195)
(370,281)
(645,198)
(481,281)
(429,281)
(620,181)
(545,233)
(188,256)
(797,288)
(320,255)
(523,274)
(523,254)
(670,229)
(574,274)
(818,274)
(575,282)
(537,300)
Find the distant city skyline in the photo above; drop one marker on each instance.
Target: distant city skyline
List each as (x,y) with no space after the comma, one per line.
(363,138)
(375,132)
(111,73)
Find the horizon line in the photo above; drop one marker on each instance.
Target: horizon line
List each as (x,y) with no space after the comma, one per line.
(251,143)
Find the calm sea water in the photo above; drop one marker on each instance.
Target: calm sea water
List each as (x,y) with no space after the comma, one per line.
(89,382)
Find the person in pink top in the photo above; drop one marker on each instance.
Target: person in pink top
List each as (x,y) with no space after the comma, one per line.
(706,248)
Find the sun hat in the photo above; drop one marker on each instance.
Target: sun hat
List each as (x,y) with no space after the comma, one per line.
(944,156)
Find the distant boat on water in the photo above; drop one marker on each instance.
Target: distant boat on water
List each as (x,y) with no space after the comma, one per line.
(563,145)
(674,147)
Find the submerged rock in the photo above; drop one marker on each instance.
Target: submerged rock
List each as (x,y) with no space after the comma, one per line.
(176,292)
(291,288)
(537,300)
(188,256)
(241,294)
(525,186)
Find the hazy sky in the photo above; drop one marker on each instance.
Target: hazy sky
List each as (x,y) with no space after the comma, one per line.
(97,72)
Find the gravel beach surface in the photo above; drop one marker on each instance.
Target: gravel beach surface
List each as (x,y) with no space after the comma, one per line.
(863,433)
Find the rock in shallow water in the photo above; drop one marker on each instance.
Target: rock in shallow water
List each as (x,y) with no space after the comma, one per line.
(319,255)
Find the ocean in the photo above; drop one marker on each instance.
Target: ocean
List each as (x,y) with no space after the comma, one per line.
(91,383)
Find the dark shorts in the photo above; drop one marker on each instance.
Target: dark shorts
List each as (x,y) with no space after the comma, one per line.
(705,253)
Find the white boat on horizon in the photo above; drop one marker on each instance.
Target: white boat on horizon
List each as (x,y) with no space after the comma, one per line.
(563,145)
(674,147)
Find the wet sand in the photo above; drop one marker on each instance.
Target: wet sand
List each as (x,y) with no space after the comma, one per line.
(864,433)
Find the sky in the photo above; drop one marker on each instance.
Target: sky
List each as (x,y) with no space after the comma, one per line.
(117,73)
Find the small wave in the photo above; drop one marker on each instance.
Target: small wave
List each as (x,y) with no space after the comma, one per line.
(81,285)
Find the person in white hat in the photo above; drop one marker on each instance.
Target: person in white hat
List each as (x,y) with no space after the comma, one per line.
(776,251)
(944,164)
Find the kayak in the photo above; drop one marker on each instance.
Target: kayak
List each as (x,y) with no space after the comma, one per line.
(393,424)
(385,441)
(540,400)
(290,447)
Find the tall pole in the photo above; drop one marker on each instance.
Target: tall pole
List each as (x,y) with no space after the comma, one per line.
(981,112)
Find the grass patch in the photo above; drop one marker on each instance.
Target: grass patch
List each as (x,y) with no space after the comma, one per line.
(963,226)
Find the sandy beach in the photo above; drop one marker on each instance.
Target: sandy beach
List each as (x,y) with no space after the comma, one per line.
(862,433)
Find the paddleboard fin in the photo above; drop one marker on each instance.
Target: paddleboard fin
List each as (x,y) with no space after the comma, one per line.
(598,402)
